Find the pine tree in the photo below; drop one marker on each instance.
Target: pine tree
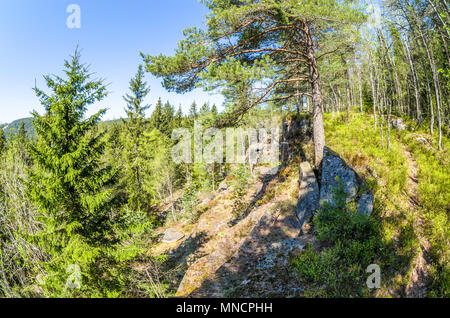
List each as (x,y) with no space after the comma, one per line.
(68,182)
(275,43)
(134,142)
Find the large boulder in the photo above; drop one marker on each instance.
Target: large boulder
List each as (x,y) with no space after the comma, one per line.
(398,124)
(365,203)
(297,127)
(266,172)
(308,200)
(171,236)
(333,167)
(223,186)
(335,171)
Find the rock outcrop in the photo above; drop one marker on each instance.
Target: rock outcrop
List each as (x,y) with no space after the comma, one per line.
(398,124)
(223,186)
(295,128)
(266,172)
(171,236)
(279,253)
(365,203)
(333,167)
(336,172)
(308,200)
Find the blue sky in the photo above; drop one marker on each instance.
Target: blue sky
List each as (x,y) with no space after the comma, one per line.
(35,41)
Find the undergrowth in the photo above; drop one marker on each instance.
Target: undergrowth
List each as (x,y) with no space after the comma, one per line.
(352,243)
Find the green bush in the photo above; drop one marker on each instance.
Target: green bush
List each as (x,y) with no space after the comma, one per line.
(240,180)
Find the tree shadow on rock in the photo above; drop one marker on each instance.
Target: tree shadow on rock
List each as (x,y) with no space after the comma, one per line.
(260,267)
(180,258)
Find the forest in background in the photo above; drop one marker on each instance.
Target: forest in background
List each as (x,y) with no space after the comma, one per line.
(81,200)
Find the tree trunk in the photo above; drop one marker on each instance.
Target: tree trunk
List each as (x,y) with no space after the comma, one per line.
(298,101)
(436,84)
(374,93)
(415,81)
(389,124)
(172,201)
(381,110)
(349,100)
(336,102)
(318,128)
(360,90)
(347,87)
(214,176)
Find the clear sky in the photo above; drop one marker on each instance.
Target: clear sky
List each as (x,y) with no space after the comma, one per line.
(35,40)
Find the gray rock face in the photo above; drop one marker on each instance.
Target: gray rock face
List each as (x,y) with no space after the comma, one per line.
(398,124)
(308,201)
(421,140)
(280,252)
(425,142)
(333,166)
(305,127)
(267,171)
(365,204)
(295,129)
(170,236)
(223,186)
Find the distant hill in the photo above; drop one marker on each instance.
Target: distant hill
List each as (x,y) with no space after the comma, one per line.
(12,128)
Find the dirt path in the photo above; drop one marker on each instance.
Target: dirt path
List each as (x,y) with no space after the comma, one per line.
(417,287)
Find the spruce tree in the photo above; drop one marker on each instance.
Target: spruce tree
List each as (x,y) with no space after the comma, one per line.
(178,120)
(134,143)
(204,110)
(193,110)
(68,183)
(159,166)
(214,110)
(192,115)
(21,140)
(168,118)
(157,116)
(22,133)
